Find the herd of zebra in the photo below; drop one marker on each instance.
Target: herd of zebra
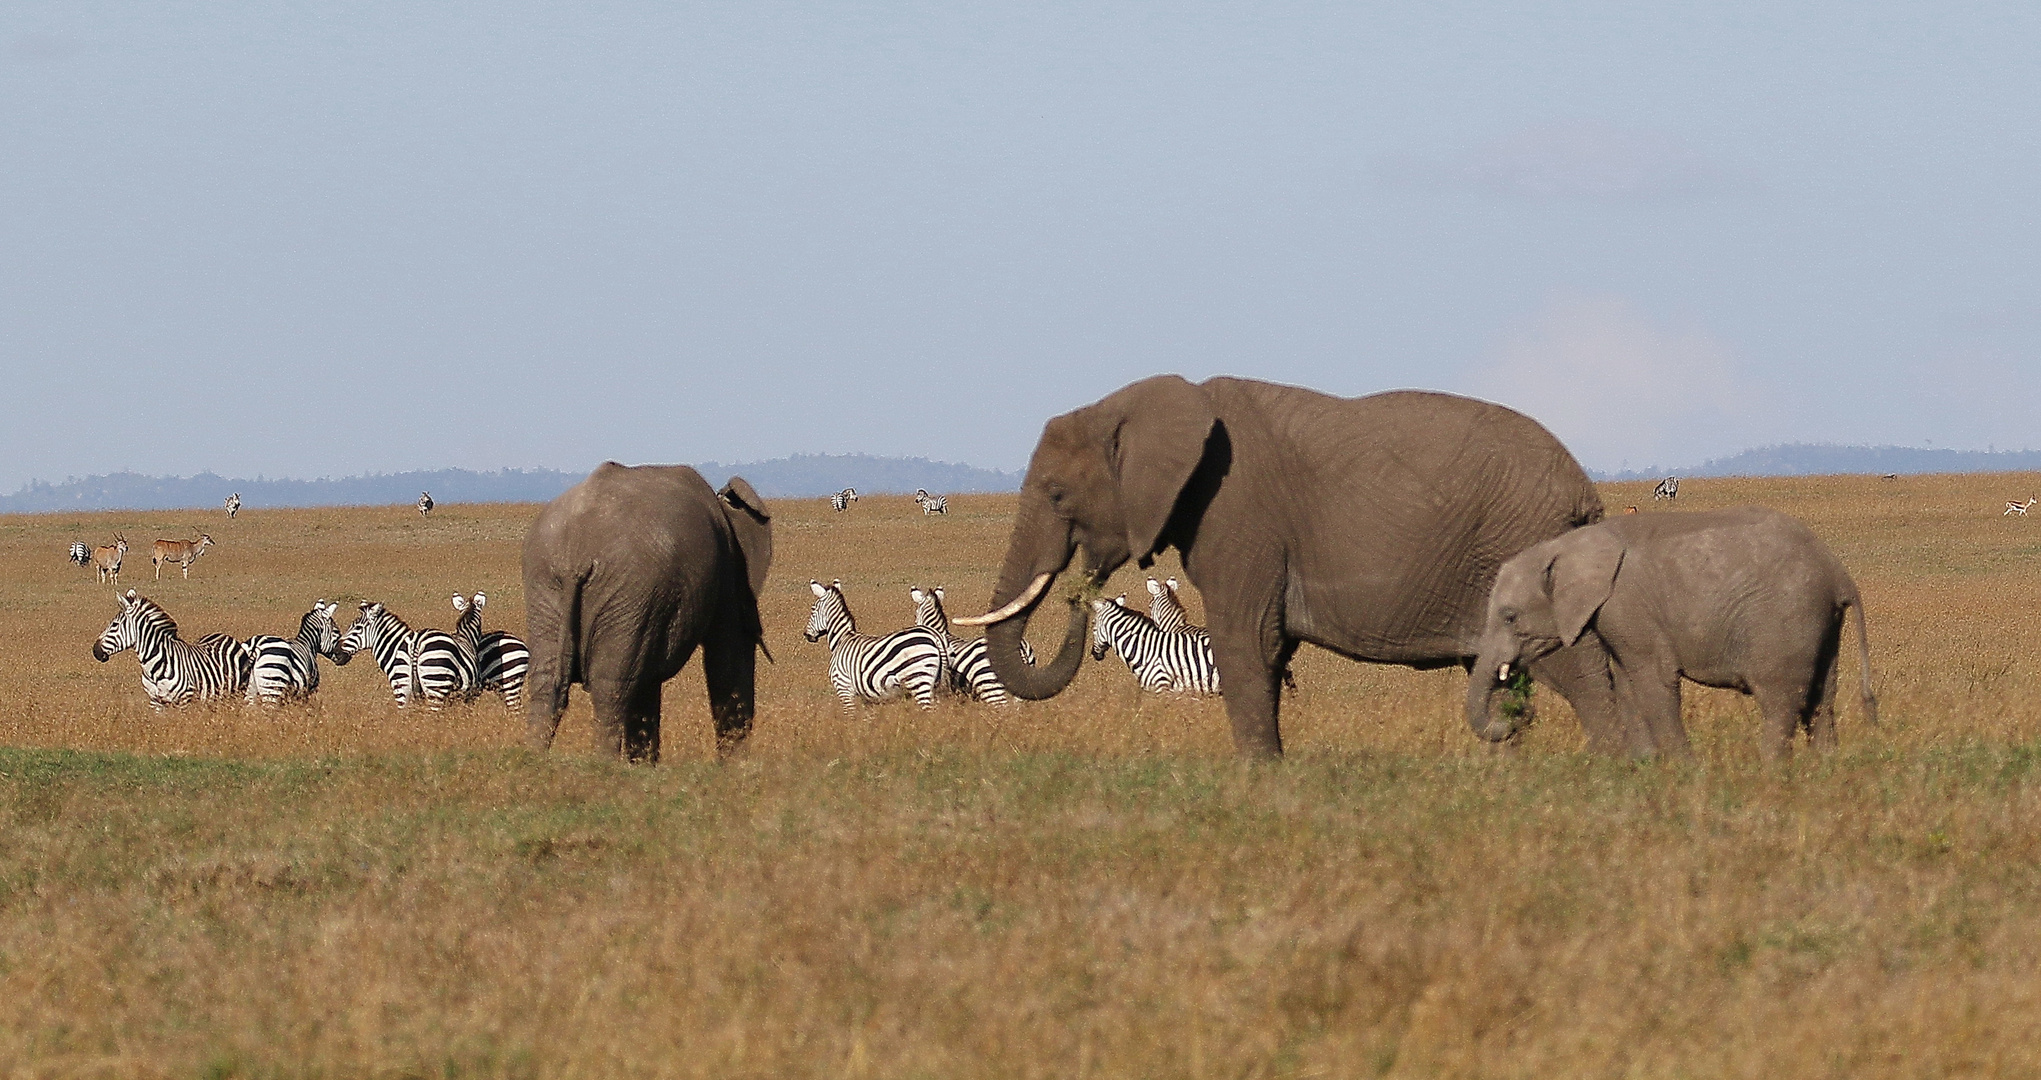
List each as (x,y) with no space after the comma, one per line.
(436,667)
(1162,648)
(930,504)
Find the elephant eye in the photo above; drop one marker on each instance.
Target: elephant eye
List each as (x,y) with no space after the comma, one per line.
(1509,615)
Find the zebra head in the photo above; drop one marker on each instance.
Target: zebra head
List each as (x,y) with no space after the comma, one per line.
(126,629)
(928,610)
(319,633)
(831,614)
(371,628)
(1103,611)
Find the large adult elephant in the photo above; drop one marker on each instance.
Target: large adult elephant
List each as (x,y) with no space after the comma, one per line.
(625,575)
(1370,526)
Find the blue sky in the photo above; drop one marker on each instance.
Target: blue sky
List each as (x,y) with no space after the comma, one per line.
(338,239)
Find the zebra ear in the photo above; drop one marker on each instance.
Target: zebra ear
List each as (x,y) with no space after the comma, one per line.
(1154,587)
(816,587)
(915,594)
(480,600)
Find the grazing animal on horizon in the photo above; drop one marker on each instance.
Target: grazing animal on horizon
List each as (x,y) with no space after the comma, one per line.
(233,504)
(1159,660)
(180,552)
(931,504)
(966,668)
(424,503)
(174,672)
(2019,508)
(841,501)
(107,560)
(80,553)
(1668,488)
(1890,476)
(287,669)
(864,667)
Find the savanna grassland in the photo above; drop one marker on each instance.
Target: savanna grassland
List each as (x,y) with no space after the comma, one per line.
(1089,886)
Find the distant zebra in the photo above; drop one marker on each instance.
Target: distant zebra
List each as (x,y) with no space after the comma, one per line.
(287,669)
(385,636)
(841,501)
(233,504)
(931,504)
(1160,661)
(863,667)
(2019,508)
(107,560)
(174,672)
(1167,610)
(80,553)
(424,503)
(966,667)
(1668,488)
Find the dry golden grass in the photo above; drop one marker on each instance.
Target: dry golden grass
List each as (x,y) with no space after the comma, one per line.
(1087,886)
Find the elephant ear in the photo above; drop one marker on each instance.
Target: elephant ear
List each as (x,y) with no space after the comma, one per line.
(1156,445)
(753,526)
(1581,577)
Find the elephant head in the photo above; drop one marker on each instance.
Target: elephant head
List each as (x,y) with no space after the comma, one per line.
(1105,478)
(1543,599)
(752,526)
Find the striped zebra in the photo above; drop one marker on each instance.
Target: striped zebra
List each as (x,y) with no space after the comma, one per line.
(966,667)
(1166,609)
(443,664)
(841,501)
(174,672)
(287,669)
(233,504)
(503,660)
(386,637)
(931,504)
(106,560)
(424,503)
(1161,661)
(1668,488)
(80,553)
(864,667)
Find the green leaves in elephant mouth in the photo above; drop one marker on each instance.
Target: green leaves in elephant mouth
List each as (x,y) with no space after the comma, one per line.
(1516,707)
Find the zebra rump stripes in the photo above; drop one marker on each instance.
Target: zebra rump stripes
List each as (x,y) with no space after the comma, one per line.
(174,672)
(81,554)
(863,667)
(1161,661)
(841,501)
(288,668)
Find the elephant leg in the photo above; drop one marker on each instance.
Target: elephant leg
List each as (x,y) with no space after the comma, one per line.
(1251,681)
(730,666)
(626,719)
(1580,673)
(1786,709)
(1650,698)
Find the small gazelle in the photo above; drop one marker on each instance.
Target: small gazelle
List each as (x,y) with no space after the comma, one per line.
(2019,508)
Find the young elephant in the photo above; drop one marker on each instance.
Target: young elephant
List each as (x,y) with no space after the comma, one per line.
(1745,599)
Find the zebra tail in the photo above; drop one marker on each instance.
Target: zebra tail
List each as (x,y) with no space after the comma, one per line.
(1864,665)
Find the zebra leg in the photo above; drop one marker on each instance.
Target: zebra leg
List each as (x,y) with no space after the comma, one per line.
(730,667)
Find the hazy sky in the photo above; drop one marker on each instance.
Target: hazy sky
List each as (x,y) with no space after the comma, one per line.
(326,239)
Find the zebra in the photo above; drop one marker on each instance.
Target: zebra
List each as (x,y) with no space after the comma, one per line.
(443,664)
(966,667)
(180,552)
(233,504)
(2019,508)
(424,503)
(288,668)
(1668,488)
(503,660)
(864,667)
(1161,661)
(174,671)
(107,560)
(386,637)
(841,501)
(80,553)
(1167,610)
(931,504)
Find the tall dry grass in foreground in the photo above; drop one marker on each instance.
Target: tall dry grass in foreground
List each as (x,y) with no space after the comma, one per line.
(1088,886)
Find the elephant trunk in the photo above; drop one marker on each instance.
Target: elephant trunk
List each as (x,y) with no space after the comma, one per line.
(1490,675)
(1040,548)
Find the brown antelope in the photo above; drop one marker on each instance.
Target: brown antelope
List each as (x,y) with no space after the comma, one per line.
(181,552)
(107,559)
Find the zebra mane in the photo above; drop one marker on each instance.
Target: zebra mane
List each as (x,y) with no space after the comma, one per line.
(151,614)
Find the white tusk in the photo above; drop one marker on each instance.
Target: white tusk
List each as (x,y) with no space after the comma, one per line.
(1502,673)
(1026,597)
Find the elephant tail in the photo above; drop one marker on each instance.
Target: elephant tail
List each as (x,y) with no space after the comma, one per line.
(1864,663)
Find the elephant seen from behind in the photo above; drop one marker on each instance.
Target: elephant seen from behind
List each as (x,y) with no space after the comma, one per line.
(625,575)
(1746,599)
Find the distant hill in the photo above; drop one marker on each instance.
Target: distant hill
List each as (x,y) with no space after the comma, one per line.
(802,475)
(1822,459)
